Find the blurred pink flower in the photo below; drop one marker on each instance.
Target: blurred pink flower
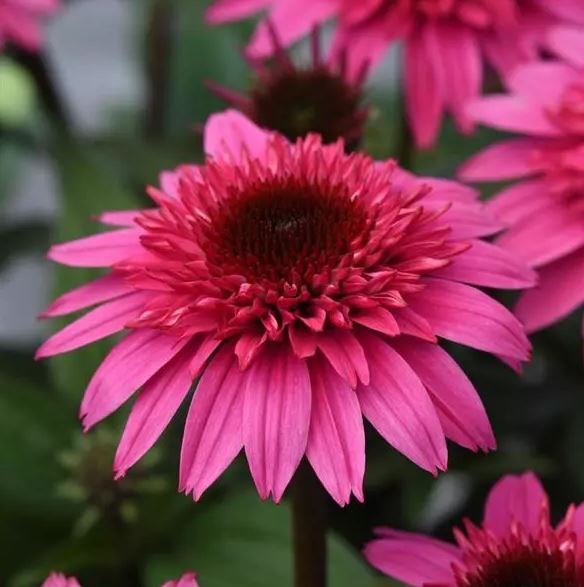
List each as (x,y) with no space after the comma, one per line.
(516,545)
(447,42)
(544,212)
(20,21)
(58,580)
(306,288)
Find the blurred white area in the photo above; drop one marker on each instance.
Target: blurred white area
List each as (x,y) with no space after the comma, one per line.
(92,52)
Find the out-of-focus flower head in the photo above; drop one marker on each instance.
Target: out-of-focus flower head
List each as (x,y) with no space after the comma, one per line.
(20,22)
(59,580)
(516,545)
(296,101)
(446,42)
(545,211)
(307,288)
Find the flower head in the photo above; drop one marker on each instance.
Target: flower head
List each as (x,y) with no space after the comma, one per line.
(545,212)
(515,547)
(20,21)
(307,288)
(297,101)
(59,580)
(447,42)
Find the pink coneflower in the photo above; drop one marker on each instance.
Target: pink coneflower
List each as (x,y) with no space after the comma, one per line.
(447,42)
(59,580)
(517,546)
(20,21)
(296,101)
(545,212)
(307,288)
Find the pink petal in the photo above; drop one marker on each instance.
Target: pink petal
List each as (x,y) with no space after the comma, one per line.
(120,217)
(226,10)
(59,580)
(467,316)
(276,417)
(568,43)
(508,159)
(560,291)
(570,10)
(515,499)
(345,354)
(506,52)
(513,114)
(467,220)
(227,133)
(461,412)
(413,324)
(578,528)
(490,266)
(101,290)
(378,319)
(155,406)
(128,366)
(445,190)
(188,580)
(99,323)
(413,558)
(213,430)
(398,406)
(520,201)
(336,440)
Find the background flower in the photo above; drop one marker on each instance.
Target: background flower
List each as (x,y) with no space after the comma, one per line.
(20,21)
(58,580)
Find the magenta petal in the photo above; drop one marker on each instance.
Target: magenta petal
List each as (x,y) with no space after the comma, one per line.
(336,440)
(155,406)
(519,201)
(99,323)
(276,418)
(59,580)
(461,412)
(560,291)
(101,290)
(413,558)
(568,43)
(490,266)
(399,407)
(466,315)
(213,430)
(345,354)
(99,250)
(226,10)
(128,366)
(125,218)
(188,580)
(515,499)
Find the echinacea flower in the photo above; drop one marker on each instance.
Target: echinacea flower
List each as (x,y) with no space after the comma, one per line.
(545,211)
(446,42)
(307,288)
(59,580)
(295,101)
(20,21)
(516,546)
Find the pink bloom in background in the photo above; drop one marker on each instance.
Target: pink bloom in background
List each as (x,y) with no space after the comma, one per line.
(516,545)
(20,21)
(545,211)
(306,288)
(295,101)
(58,580)
(447,42)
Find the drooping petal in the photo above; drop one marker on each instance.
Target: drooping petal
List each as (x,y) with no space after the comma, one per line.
(99,323)
(346,355)
(461,412)
(399,407)
(519,201)
(466,315)
(213,430)
(155,406)
(515,499)
(276,418)
(128,366)
(336,440)
(415,559)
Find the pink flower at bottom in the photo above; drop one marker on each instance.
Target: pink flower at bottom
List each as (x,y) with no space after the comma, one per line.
(59,580)
(517,546)
(20,21)
(544,212)
(307,288)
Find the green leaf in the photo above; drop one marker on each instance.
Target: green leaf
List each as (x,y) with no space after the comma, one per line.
(17,98)
(246,542)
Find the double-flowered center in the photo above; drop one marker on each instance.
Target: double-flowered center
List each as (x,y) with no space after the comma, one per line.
(526,565)
(286,228)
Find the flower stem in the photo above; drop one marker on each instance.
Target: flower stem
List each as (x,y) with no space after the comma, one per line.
(309,505)
(405,154)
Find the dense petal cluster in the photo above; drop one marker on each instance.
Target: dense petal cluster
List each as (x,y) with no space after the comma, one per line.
(447,42)
(516,546)
(20,21)
(545,211)
(59,580)
(307,288)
